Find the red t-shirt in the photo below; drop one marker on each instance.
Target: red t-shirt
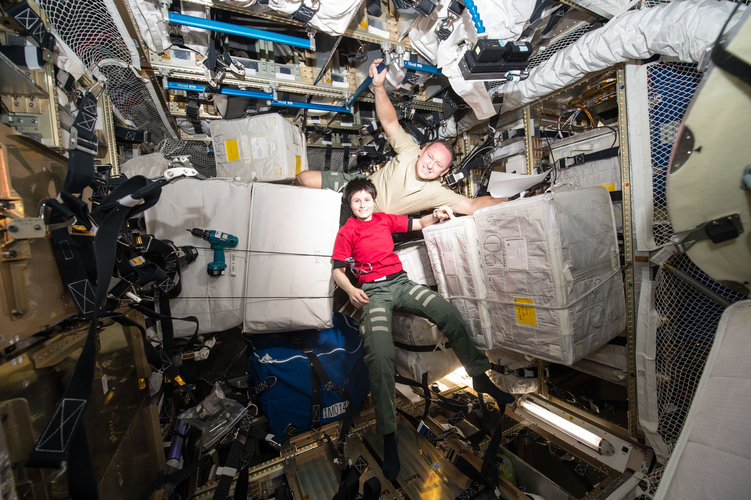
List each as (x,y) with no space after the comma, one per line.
(370,244)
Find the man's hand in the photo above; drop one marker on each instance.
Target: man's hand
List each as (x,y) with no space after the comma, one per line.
(378,78)
(358,297)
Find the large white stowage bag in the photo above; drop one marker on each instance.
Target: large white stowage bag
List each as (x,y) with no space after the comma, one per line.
(278,277)
(421,348)
(414,257)
(552,271)
(259,148)
(292,233)
(539,276)
(455,259)
(216,204)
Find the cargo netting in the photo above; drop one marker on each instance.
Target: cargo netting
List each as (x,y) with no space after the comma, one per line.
(94,31)
(200,154)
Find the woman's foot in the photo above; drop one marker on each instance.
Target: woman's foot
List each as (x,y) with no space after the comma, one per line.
(391,463)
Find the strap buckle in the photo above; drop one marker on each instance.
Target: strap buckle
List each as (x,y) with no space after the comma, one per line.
(77,142)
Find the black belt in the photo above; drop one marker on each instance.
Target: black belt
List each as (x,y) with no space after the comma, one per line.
(388,277)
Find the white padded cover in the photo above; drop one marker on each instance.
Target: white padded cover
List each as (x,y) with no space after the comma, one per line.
(292,233)
(559,252)
(414,257)
(216,204)
(415,330)
(605,172)
(455,259)
(259,148)
(437,364)
(712,457)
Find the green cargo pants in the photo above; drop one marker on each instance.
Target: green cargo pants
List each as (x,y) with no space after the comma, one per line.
(375,328)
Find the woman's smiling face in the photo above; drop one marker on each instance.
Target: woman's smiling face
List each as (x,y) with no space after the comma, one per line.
(362,205)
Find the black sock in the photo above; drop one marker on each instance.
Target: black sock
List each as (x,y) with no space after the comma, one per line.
(390,456)
(482,383)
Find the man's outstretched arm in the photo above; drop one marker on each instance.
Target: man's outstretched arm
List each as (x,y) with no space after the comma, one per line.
(384,108)
(468,206)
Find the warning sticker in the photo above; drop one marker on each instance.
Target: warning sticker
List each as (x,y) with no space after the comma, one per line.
(233,153)
(298,164)
(525,315)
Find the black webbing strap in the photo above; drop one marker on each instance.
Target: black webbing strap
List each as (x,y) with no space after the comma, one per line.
(129,135)
(582,158)
(64,434)
(728,61)
(327,158)
(304,14)
(32,23)
(349,484)
(345,158)
(83,146)
(192,107)
(401,379)
(420,348)
(228,471)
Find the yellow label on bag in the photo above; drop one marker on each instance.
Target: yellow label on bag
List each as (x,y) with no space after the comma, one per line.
(609,186)
(298,164)
(233,153)
(525,315)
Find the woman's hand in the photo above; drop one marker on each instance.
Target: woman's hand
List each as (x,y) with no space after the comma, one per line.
(358,297)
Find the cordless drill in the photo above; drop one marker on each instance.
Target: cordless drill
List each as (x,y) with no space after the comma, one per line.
(218,241)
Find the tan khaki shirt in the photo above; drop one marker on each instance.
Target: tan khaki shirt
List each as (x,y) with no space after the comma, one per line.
(400,191)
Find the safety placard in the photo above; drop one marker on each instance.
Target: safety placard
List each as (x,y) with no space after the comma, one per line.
(525,315)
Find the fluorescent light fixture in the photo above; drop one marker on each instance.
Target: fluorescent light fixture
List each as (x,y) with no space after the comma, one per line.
(577,432)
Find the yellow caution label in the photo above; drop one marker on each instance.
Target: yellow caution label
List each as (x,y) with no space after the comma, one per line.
(609,186)
(137,261)
(179,380)
(80,231)
(525,315)
(233,152)
(298,164)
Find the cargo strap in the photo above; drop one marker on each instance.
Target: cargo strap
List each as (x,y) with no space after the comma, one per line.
(130,136)
(580,159)
(345,157)
(33,24)
(349,484)
(304,14)
(64,435)
(728,61)
(228,471)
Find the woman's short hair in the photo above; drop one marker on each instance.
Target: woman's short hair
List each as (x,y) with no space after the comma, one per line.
(359,184)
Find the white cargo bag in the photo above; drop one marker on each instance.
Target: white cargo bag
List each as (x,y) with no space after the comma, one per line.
(552,271)
(604,172)
(216,204)
(436,364)
(414,257)
(455,260)
(260,148)
(292,233)
(415,331)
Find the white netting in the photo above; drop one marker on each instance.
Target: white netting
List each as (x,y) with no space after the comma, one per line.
(200,153)
(685,333)
(100,40)
(670,88)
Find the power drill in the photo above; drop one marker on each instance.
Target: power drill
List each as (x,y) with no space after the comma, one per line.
(218,241)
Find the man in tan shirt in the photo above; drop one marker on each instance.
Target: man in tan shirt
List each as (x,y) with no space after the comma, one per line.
(410,182)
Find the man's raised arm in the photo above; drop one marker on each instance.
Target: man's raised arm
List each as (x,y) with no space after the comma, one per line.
(384,109)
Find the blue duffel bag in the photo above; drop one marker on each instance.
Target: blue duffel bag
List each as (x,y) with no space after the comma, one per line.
(305,379)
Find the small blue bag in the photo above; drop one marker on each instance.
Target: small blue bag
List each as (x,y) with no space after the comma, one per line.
(308,378)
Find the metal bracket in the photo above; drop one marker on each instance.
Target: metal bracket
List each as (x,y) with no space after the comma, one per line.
(718,230)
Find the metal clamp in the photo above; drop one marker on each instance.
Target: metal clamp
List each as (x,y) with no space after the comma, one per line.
(718,230)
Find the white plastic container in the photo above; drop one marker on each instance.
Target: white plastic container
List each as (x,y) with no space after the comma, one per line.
(259,148)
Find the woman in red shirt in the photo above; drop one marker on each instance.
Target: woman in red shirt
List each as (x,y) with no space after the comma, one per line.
(365,241)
